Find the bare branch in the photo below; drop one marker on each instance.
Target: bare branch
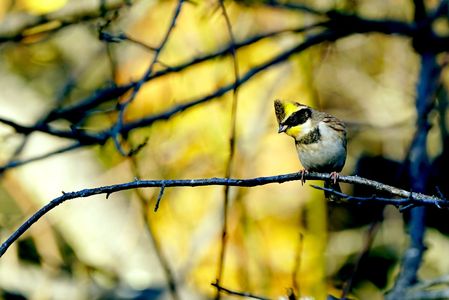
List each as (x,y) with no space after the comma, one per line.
(169,274)
(296,286)
(85,139)
(232,141)
(401,203)
(415,198)
(17,27)
(122,106)
(235,293)
(424,284)
(159,198)
(17,163)
(78,135)
(427,295)
(419,173)
(369,239)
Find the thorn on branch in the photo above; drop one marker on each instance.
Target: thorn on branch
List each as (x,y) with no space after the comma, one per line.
(159,198)
(404,208)
(137,149)
(440,194)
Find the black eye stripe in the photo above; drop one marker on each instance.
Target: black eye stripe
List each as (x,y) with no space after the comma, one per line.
(299,117)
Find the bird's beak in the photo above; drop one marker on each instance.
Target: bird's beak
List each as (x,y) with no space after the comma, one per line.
(282,128)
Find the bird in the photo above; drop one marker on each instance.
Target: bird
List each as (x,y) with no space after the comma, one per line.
(320,140)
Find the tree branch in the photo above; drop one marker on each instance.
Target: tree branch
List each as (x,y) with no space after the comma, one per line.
(17,27)
(76,111)
(17,163)
(116,129)
(86,139)
(235,293)
(232,141)
(339,24)
(419,167)
(414,198)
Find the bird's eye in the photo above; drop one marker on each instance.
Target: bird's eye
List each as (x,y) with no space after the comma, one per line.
(298,117)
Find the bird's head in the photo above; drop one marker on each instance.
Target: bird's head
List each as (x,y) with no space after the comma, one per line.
(293,118)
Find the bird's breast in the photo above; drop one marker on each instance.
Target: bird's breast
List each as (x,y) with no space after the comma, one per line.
(326,155)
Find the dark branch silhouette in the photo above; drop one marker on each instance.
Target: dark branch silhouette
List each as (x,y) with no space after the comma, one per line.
(412,198)
(418,160)
(115,130)
(338,25)
(17,27)
(232,142)
(236,293)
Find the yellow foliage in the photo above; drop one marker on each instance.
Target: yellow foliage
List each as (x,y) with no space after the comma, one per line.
(39,7)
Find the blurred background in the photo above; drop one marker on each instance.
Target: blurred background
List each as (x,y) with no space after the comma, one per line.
(280,236)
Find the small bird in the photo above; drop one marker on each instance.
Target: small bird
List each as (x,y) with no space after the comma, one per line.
(320,139)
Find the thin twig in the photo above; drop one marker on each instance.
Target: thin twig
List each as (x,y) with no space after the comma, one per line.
(235,293)
(159,198)
(369,238)
(87,139)
(101,96)
(232,141)
(296,284)
(169,274)
(401,203)
(309,42)
(78,111)
(17,163)
(427,295)
(425,284)
(355,24)
(122,106)
(416,199)
(77,135)
(71,14)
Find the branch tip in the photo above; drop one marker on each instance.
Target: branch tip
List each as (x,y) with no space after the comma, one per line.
(159,198)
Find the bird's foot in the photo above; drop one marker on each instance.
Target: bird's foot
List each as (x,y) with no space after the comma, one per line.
(303,173)
(334,176)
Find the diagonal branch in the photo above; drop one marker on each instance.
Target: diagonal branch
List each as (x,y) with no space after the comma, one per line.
(354,24)
(86,139)
(122,106)
(76,111)
(16,163)
(236,293)
(309,42)
(157,245)
(16,27)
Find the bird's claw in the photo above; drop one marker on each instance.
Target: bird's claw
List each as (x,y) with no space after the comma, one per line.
(303,172)
(334,176)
